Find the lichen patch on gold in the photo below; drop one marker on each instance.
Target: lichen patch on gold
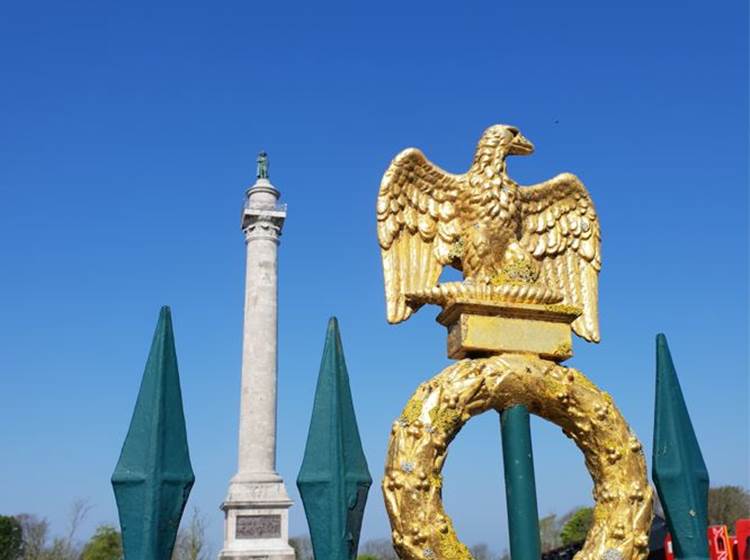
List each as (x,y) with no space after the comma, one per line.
(563,308)
(516,272)
(564,349)
(412,410)
(444,419)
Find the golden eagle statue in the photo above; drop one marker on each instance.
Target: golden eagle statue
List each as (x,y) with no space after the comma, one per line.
(535,244)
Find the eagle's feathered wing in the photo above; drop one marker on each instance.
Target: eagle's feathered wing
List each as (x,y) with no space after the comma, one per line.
(561,229)
(417,227)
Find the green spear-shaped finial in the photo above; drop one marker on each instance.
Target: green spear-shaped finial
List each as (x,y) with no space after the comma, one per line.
(153,478)
(678,469)
(334,480)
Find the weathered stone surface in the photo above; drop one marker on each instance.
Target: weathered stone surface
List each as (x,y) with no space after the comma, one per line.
(258,527)
(257,491)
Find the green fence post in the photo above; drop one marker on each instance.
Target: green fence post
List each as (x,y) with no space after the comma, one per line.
(153,477)
(520,487)
(334,480)
(678,469)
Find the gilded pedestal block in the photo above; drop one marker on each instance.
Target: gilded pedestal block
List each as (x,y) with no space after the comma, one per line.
(477,329)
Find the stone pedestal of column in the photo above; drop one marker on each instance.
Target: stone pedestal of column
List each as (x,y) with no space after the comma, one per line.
(256,508)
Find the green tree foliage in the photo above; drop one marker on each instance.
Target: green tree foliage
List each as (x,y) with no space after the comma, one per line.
(106,544)
(302,547)
(382,549)
(191,539)
(480,552)
(550,527)
(367,557)
(34,531)
(727,504)
(11,538)
(36,545)
(549,532)
(577,527)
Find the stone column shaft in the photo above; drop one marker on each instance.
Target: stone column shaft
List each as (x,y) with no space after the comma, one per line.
(257,439)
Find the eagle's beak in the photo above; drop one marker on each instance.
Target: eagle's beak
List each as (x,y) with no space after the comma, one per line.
(520,146)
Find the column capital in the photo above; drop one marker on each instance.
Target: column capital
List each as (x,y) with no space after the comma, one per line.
(263,223)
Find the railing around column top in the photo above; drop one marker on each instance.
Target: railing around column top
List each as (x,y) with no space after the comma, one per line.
(278,207)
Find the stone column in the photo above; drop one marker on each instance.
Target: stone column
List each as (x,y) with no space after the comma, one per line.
(262,223)
(256,506)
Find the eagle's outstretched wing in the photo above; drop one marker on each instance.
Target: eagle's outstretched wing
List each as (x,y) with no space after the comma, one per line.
(417,226)
(561,229)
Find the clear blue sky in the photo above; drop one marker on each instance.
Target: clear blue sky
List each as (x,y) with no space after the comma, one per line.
(128,133)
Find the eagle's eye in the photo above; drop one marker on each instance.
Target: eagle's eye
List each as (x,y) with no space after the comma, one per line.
(506,135)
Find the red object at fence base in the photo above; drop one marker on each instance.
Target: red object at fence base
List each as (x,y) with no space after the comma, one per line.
(742,531)
(719,546)
(668,550)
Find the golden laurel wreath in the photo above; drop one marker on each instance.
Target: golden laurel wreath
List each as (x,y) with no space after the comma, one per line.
(441,406)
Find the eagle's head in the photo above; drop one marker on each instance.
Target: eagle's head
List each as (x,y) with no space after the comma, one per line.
(498,142)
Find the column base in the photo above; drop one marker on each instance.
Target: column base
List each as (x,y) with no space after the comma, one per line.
(256,519)
(270,554)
